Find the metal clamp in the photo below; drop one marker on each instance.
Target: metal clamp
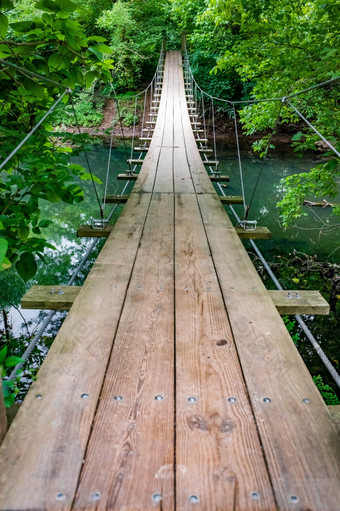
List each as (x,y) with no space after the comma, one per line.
(99,224)
(248,225)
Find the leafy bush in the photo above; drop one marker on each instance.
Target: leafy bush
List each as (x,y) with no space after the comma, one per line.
(88,111)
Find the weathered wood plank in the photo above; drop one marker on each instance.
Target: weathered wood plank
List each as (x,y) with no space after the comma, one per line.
(43,451)
(297,434)
(127,177)
(260,233)
(218,453)
(133,439)
(219,178)
(116,199)
(3,418)
(299,302)
(87,231)
(50,297)
(334,411)
(231,199)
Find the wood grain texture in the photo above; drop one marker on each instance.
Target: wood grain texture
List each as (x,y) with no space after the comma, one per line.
(299,438)
(43,451)
(116,199)
(219,457)
(133,439)
(47,297)
(87,231)
(3,419)
(260,233)
(299,302)
(231,199)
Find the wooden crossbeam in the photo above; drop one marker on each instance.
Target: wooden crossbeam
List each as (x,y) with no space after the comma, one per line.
(148,130)
(198,131)
(219,178)
(232,199)
(116,199)
(205,150)
(299,302)
(50,297)
(127,177)
(260,233)
(201,140)
(87,231)
(145,139)
(140,149)
(211,162)
(135,161)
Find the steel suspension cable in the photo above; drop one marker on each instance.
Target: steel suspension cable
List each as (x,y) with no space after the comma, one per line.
(284,100)
(240,164)
(109,158)
(87,159)
(24,140)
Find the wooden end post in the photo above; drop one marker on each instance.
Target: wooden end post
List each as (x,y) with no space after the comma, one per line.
(3,417)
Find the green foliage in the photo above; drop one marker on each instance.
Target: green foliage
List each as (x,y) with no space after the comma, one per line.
(7,362)
(272,49)
(88,110)
(291,327)
(135,29)
(43,38)
(326,391)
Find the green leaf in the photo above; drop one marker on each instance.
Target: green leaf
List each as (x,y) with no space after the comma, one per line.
(47,5)
(44,223)
(3,355)
(6,5)
(103,48)
(96,39)
(87,176)
(66,5)
(97,53)
(12,361)
(26,266)
(3,249)
(90,77)
(23,26)
(3,25)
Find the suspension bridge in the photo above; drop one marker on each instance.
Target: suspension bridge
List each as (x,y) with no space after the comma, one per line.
(173,382)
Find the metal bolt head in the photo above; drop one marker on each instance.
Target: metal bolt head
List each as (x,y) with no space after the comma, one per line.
(60,496)
(159,397)
(232,399)
(84,396)
(294,498)
(38,396)
(306,400)
(267,400)
(156,497)
(255,495)
(192,399)
(193,499)
(95,496)
(118,398)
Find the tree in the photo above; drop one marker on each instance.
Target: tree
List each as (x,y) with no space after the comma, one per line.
(50,43)
(274,49)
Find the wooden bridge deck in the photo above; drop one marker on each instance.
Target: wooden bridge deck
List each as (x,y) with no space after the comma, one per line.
(173,383)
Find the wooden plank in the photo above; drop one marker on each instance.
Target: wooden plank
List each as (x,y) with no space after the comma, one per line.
(297,434)
(135,161)
(216,178)
(218,453)
(230,199)
(49,297)
(299,302)
(260,233)
(116,199)
(87,231)
(43,451)
(334,411)
(3,418)
(210,162)
(127,177)
(132,440)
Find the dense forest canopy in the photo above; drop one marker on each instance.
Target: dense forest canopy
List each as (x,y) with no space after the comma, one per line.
(238,50)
